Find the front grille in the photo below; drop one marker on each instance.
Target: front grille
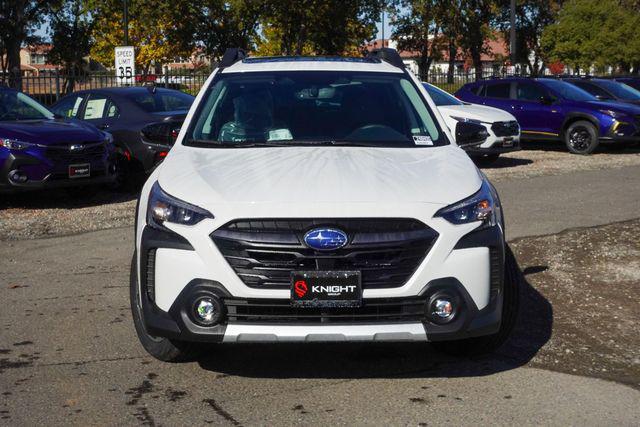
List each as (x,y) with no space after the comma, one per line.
(281,311)
(150,282)
(264,252)
(510,128)
(62,154)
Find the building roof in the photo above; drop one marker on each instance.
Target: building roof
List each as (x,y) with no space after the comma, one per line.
(497,48)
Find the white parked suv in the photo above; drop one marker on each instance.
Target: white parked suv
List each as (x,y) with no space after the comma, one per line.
(502,127)
(320,199)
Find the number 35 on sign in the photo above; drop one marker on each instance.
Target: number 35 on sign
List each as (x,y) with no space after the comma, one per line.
(125,65)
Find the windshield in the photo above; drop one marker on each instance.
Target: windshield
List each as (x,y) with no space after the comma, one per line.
(161,101)
(567,90)
(620,90)
(306,108)
(440,97)
(18,106)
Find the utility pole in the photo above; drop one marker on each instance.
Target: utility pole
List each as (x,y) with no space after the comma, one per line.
(512,33)
(382,27)
(126,23)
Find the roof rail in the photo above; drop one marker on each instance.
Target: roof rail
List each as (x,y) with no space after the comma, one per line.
(231,56)
(388,55)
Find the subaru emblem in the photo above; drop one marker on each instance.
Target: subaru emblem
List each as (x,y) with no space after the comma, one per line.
(325,239)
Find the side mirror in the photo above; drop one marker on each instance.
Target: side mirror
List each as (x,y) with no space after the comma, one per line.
(469,134)
(546,100)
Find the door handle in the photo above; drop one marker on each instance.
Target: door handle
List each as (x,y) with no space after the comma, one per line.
(103,126)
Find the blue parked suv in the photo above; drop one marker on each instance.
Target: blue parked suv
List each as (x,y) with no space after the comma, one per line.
(553,109)
(39,150)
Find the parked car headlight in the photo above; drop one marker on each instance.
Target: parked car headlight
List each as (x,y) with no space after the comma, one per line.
(468,120)
(479,207)
(14,144)
(614,114)
(165,208)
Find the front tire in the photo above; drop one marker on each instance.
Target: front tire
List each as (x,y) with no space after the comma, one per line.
(163,349)
(581,137)
(489,343)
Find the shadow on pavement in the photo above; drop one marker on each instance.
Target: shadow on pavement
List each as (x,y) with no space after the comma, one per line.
(72,198)
(388,360)
(559,146)
(502,162)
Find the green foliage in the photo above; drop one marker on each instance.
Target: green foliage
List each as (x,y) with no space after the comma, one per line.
(70,30)
(476,17)
(418,27)
(321,27)
(18,21)
(595,33)
(532,17)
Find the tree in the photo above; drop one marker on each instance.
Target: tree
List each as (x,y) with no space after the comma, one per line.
(417,28)
(218,24)
(322,27)
(18,21)
(595,33)
(476,17)
(532,17)
(152,25)
(70,31)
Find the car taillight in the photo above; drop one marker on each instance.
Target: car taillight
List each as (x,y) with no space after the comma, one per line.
(161,133)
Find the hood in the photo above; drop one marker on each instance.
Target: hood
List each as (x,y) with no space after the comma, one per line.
(209,176)
(477,112)
(50,131)
(616,106)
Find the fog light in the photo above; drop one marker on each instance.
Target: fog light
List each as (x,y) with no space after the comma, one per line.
(207,310)
(442,308)
(17,177)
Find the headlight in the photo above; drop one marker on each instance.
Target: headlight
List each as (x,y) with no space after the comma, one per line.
(479,207)
(164,208)
(614,114)
(14,144)
(465,119)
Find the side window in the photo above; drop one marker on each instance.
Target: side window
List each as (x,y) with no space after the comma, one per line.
(100,107)
(527,91)
(498,90)
(593,89)
(478,91)
(69,106)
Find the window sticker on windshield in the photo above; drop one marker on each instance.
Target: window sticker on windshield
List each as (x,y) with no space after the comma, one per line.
(422,140)
(280,135)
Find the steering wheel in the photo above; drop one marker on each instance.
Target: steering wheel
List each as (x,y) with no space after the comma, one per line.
(376,133)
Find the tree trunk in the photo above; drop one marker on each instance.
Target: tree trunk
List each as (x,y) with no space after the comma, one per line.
(477,63)
(453,51)
(13,64)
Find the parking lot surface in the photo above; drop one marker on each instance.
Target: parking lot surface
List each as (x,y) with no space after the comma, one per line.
(69,355)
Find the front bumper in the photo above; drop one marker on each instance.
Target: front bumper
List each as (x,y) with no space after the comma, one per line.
(274,320)
(42,175)
(622,132)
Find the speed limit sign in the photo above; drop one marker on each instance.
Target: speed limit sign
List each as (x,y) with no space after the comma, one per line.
(125,65)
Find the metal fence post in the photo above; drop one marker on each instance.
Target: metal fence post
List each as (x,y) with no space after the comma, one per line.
(57,84)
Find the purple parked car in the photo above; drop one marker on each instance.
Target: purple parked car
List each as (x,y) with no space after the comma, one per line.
(40,150)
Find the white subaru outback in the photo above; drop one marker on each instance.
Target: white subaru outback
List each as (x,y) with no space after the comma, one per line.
(320,199)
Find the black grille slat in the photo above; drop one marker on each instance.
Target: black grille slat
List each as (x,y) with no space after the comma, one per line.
(281,311)
(62,154)
(264,252)
(510,128)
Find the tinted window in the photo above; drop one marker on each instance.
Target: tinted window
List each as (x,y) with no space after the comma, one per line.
(567,90)
(315,107)
(441,97)
(633,83)
(593,89)
(620,90)
(69,106)
(499,90)
(479,91)
(159,101)
(18,106)
(527,91)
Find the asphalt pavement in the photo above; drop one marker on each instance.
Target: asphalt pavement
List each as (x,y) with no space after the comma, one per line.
(69,355)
